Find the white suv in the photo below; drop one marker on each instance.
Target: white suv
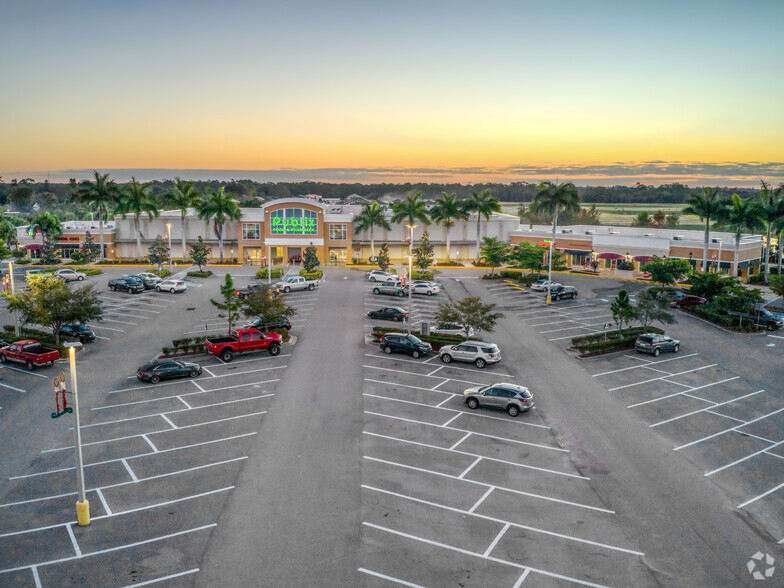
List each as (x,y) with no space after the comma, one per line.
(477,352)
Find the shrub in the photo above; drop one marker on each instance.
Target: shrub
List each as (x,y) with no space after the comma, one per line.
(261,273)
(314,275)
(595,344)
(450,263)
(198,274)
(758,279)
(166,350)
(124,262)
(529,279)
(510,275)
(491,277)
(422,275)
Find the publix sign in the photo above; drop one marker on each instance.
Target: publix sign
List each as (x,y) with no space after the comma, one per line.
(294,226)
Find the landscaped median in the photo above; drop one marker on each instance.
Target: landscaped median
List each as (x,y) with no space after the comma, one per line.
(590,345)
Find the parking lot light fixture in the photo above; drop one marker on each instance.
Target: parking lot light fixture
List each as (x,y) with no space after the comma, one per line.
(13,291)
(410,289)
(168,232)
(82,505)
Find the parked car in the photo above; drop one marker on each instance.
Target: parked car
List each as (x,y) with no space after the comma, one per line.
(512,398)
(655,344)
(70,275)
(79,331)
(378,275)
(391,313)
(762,318)
(390,289)
(560,292)
(296,283)
(425,289)
(29,352)
(541,285)
(262,324)
(171,286)
(679,299)
(477,352)
(453,329)
(402,343)
(129,284)
(164,370)
(249,289)
(242,341)
(149,279)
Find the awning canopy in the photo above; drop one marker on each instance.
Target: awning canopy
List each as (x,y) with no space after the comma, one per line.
(643,258)
(34,246)
(611,256)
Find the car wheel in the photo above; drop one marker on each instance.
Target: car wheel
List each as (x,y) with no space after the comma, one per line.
(446,358)
(677,305)
(3,358)
(274,349)
(656,352)
(30,365)
(194,373)
(398,318)
(415,354)
(287,289)
(376,291)
(155,379)
(172,290)
(310,286)
(227,355)
(157,288)
(512,410)
(112,288)
(675,348)
(80,278)
(472,403)
(387,350)
(771,327)
(372,278)
(480,363)
(429,293)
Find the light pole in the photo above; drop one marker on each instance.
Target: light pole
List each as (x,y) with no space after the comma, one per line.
(410,290)
(82,505)
(13,291)
(269,265)
(550,272)
(168,231)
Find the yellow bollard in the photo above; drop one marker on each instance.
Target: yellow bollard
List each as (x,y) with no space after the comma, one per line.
(549,300)
(83,513)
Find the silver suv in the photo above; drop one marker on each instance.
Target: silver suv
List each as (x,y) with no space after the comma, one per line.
(477,352)
(512,398)
(390,289)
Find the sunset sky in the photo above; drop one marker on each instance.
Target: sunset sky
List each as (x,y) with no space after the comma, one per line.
(602,92)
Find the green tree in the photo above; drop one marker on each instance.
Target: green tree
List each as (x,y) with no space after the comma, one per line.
(777,284)
(494,253)
(199,253)
(383,257)
(159,252)
(21,195)
(372,215)
(484,205)
(231,303)
(446,211)
(49,226)
(310,260)
(137,199)
(183,196)
(740,215)
(50,302)
(529,256)
(262,304)
(711,285)
(423,253)
(771,210)
(553,199)
(643,219)
(470,312)
(100,195)
(409,211)
(8,233)
(622,310)
(672,220)
(708,206)
(89,248)
(219,208)
(667,271)
(649,310)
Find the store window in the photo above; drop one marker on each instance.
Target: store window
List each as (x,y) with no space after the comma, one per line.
(251,231)
(338,232)
(293,221)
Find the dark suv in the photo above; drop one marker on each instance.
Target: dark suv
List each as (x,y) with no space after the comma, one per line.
(279,322)
(129,284)
(561,292)
(402,343)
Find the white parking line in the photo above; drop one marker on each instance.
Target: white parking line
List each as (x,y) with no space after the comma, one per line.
(581,334)
(94,326)
(571,328)
(14,389)
(21,371)
(728,431)
(123,322)
(742,459)
(763,495)
(634,367)
(164,578)
(663,377)
(681,393)
(389,578)
(372,367)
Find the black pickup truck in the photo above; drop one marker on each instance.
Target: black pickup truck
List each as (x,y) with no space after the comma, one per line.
(253,287)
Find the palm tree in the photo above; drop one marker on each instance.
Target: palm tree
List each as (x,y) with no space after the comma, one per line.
(483,205)
(707,206)
(446,211)
(183,196)
(220,208)
(137,199)
(738,215)
(50,226)
(779,226)
(100,195)
(770,209)
(7,232)
(410,210)
(372,215)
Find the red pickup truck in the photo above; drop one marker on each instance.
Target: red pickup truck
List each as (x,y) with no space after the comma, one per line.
(242,340)
(29,352)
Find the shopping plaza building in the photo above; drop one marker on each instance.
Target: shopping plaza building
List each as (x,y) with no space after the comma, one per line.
(282,229)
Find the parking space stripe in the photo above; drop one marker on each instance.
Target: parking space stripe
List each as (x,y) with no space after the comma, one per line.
(445,400)
(450,366)
(570,328)
(469,454)
(129,470)
(704,367)
(13,388)
(21,371)
(704,409)
(763,495)
(164,578)
(684,392)
(150,443)
(75,544)
(446,424)
(389,578)
(728,430)
(372,367)
(36,578)
(742,459)
(725,416)
(103,501)
(466,436)
(469,468)
(634,367)
(201,391)
(521,579)
(481,499)
(94,326)
(498,537)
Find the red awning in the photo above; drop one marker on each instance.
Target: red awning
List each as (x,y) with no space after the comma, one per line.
(34,246)
(643,258)
(611,256)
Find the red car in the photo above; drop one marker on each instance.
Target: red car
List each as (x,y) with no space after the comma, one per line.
(680,299)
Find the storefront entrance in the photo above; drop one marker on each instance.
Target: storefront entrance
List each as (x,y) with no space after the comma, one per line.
(294,254)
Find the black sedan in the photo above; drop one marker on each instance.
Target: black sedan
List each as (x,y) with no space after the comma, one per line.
(392,313)
(279,322)
(78,331)
(157,371)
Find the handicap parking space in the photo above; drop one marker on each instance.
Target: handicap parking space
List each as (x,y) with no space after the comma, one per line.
(160,460)
(455,482)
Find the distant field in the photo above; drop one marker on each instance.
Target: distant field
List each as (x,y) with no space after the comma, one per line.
(624,214)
